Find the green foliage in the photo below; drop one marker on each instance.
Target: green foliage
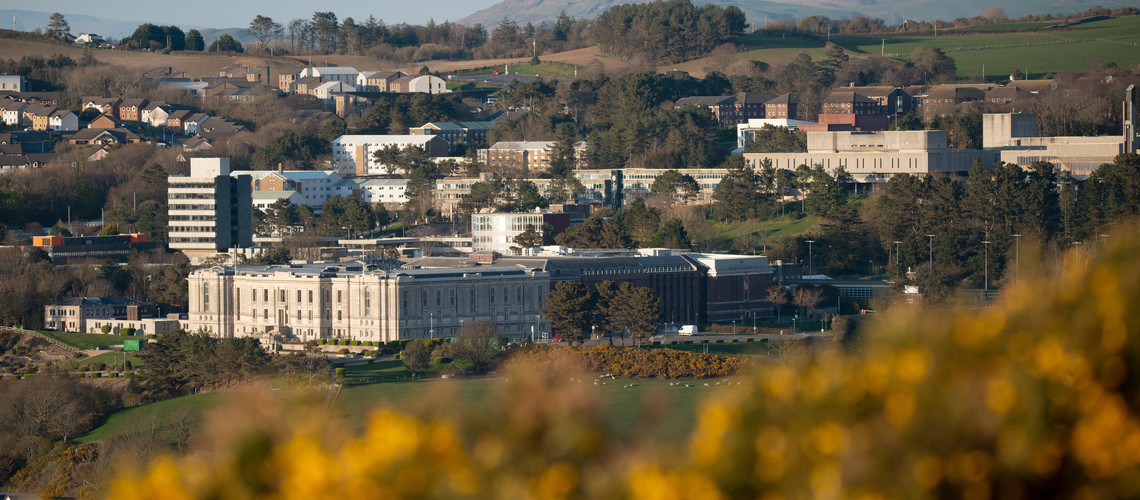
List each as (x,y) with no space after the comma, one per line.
(569,307)
(183,363)
(342,216)
(772,139)
(271,256)
(153,37)
(105,329)
(599,231)
(194,41)
(290,148)
(417,356)
(669,31)
(225,43)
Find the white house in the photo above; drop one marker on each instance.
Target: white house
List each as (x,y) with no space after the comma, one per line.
(427,84)
(12,83)
(325,90)
(89,39)
(12,111)
(156,113)
(62,120)
(193,124)
(353,154)
(345,74)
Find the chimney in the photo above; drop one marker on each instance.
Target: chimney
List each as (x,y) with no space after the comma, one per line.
(280,168)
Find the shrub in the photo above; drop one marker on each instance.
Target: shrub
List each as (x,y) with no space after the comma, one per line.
(152,336)
(105,329)
(343,351)
(97,375)
(99,367)
(340,375)
(355,343)
(124,331)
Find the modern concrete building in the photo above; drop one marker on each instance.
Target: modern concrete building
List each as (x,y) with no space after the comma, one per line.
(392,193)
(209,210)
(359,302)
(873,157)
(12,83)
(529,156)
(497,231)
(353,154)
(736,287)
(77,249)
(1013,137)
(467,134)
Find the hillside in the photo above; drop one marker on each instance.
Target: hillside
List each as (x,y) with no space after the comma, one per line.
(894,11)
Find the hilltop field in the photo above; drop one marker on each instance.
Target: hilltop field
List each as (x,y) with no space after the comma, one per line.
(1033,49)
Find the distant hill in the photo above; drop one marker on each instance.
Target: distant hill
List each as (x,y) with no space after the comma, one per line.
(894,11)
(29,20)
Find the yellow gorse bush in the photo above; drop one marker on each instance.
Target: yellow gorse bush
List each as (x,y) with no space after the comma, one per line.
(1033,397)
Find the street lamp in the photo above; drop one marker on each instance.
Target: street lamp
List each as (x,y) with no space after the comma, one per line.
(809,242)
(931,236)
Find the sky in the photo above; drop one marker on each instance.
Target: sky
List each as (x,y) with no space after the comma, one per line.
(237,14)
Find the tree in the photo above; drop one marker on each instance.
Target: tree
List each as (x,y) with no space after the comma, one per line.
(569,307)
(529,238)
(345,216)
(325,28)
(778,296)
(265,30)
(935,65)
(417,355)
(632,310)
(737,194)
(58,27)
(480,342)
(807,298)
(772,139)
(225,43)
(194,41)
(674,183)
(672,234)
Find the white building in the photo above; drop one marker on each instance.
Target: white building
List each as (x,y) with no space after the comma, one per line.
(12,83)
(13,111)
(345,74)
(62,120)
(390,192)
(312,187)
(325,90)
(497,231)
(426,84)
(746,132)
(358,302)
(209,211)
(353,154)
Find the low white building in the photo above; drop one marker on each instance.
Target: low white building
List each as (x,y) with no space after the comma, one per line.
(345,74)
(390,192)
(62,120)
(746,132)
(312,187)
(325,90)
(353,154)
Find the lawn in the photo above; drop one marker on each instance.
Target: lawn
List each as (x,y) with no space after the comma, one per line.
(788,225)
(85,341)
(111,358)
(648,408)
(126,419)
(549,69)
(388,370)
(1034,52)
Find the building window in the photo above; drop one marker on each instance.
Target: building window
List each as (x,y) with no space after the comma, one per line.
(367,301)
(338,315)
(265,295)
(310,296)
(437,297)
(206,297)
(265,314)
(298,315)
(338,296)
(298,296)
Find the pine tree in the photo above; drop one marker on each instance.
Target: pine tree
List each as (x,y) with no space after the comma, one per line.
(58,26)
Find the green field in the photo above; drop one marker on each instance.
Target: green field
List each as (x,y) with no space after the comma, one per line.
(789,225)
(125,420)
(112,358)
(651,409)
(84,341)
(1037,53)
(550,69)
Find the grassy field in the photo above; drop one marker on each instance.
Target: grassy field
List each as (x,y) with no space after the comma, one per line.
(1036,52)
(111,358)
(125,419)
(84,341)
(767,229)
(550,69)
(651,409)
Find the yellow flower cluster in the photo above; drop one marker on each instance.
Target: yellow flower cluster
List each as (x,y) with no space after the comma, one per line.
(1038,395)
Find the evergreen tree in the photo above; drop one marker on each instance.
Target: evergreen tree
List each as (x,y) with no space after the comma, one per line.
(58,27)
(570,307)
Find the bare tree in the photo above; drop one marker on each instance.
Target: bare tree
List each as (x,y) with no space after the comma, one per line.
(778,296)
(807,298)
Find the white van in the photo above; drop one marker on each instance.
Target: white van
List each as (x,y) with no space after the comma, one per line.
(687,330)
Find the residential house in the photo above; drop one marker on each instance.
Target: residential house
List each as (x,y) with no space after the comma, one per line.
(162,73)
(736,109)
(325,90)
(156,113)
(195,144)
(285,82)
(529,156)
(12,83)
(105,121)
(307,85)
(131,109)
(192,124)
(377,81)
(427,84)
(105,105)
(254,74)
(848,110)
(331,74)
(944,99)
(54,119)
(782,107)
(13,112)
(214,124)
(175,119)
(11,163)
(90,39)
(892,101)
(104,136)
(41,98)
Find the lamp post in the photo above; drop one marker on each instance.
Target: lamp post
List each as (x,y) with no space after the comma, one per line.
(809,242)
(931,236)
(431,326)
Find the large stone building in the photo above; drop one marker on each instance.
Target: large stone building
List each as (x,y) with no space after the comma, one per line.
(91,314)
(210,211)
(874,157)
(358,302)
